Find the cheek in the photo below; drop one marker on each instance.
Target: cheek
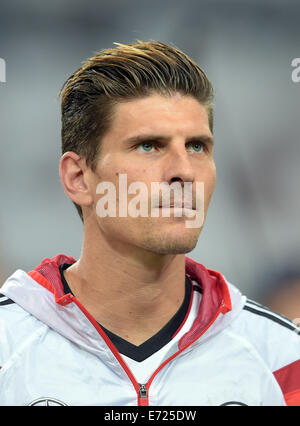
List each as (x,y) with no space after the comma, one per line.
(209,179)
(212,179)
(111,166)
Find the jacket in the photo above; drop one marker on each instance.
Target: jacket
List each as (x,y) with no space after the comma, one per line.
(237,352)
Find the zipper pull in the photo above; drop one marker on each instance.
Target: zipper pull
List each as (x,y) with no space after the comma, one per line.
(143,393)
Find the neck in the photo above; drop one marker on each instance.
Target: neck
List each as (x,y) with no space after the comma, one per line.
(130,291)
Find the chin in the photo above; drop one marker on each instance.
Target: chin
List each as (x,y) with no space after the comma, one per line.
(168,243)
(174,249)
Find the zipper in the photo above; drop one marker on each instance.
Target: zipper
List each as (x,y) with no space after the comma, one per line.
(143,395)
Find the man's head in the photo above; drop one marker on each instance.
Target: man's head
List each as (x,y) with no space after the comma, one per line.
(118,105)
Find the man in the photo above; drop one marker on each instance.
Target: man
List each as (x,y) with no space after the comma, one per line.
(134,321)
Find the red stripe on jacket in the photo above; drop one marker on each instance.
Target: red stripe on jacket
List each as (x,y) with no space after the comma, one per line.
(288,378)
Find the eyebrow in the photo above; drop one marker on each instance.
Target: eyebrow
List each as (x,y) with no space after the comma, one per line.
(151,138)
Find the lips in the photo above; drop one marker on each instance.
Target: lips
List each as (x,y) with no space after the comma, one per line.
(180,204)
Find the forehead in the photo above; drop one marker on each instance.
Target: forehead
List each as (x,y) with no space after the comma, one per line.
(169,115)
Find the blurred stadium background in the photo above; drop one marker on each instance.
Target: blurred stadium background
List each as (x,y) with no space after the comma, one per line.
(252,234)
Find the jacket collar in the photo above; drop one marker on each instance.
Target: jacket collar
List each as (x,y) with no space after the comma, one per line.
(214,288)
(219,300)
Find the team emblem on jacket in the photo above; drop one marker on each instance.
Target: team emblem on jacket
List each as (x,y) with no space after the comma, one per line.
(234,403)
(47,402)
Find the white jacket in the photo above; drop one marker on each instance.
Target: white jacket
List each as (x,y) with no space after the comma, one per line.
(51,349)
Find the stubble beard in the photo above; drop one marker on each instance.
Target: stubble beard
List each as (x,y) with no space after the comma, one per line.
(162,242)
(149,236)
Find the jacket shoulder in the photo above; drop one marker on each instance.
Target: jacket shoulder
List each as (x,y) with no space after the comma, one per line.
(276,339)
(10,311)
(274,336)
(16,326)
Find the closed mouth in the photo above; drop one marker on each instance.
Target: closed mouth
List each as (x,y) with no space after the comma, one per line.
(188,206)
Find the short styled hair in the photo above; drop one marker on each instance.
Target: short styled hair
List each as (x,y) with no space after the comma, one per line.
(122,73)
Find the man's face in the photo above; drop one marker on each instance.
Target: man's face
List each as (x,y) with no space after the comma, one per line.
(155,139)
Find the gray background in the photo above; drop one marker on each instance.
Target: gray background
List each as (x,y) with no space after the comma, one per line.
(246,47)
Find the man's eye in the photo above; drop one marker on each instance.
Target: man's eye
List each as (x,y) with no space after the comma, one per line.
(145,147)
(196,146)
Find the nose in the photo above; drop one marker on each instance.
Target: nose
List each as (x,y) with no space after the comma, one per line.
(178,166)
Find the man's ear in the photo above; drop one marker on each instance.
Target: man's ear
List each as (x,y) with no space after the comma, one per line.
(73,173)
